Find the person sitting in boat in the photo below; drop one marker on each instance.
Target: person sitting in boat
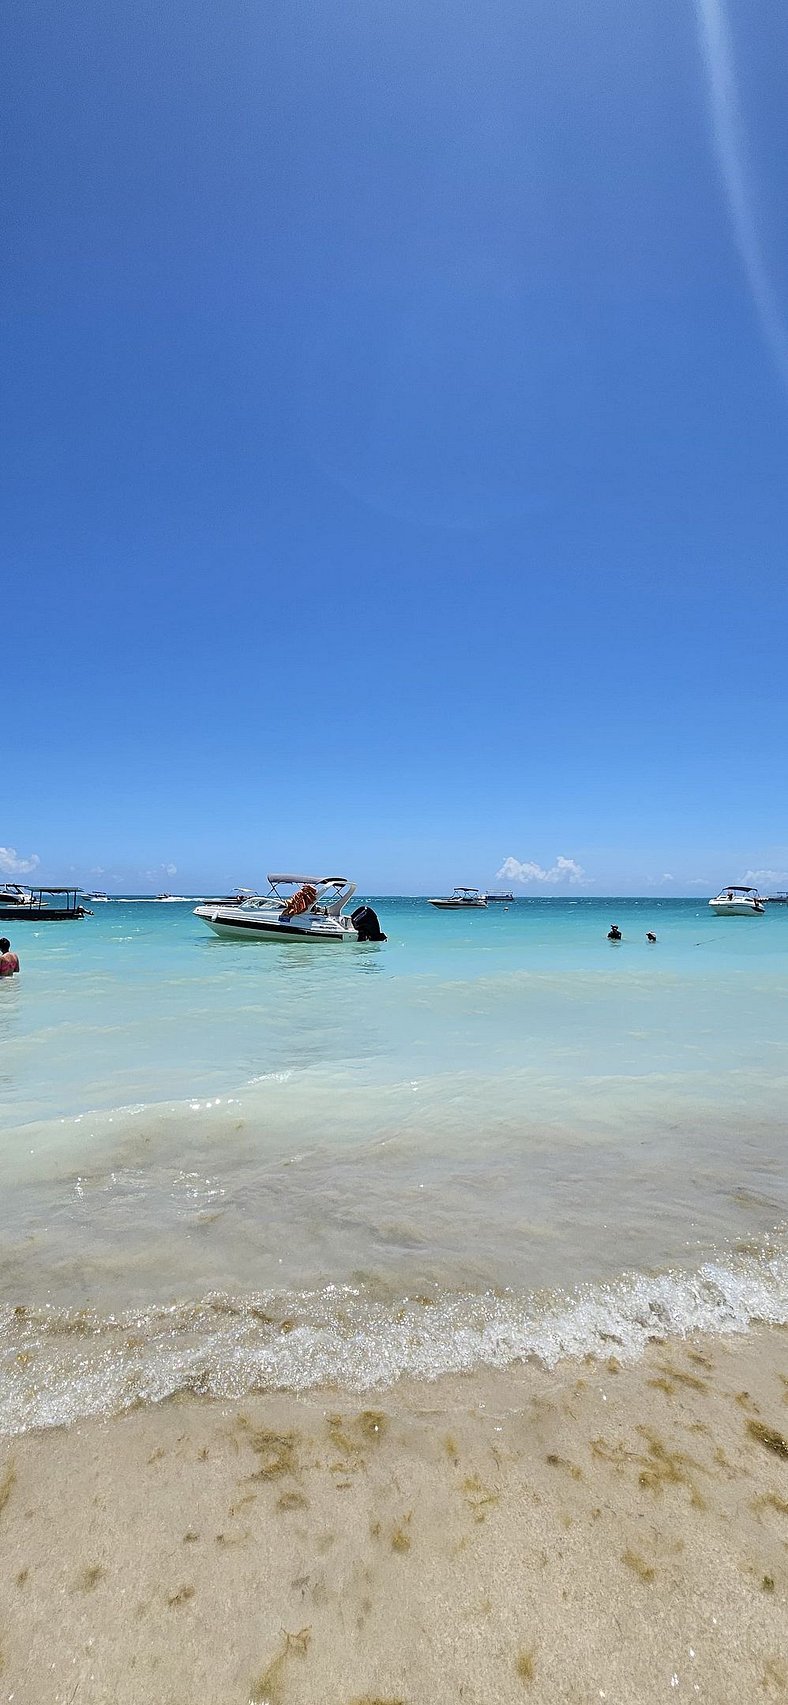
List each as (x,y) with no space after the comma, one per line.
(8,960)
(614,933)
(301,901)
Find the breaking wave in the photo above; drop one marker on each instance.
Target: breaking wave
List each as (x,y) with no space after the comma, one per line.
(57,1367)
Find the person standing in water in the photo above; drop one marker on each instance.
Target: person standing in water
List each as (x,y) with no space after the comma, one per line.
(614,933)
(9,963)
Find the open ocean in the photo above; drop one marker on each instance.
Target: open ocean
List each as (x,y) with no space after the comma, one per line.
(232,1166)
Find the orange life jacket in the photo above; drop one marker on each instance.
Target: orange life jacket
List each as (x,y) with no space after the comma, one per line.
(300,901)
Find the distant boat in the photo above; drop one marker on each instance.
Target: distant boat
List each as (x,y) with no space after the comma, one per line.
(500,899)
(775,899)
(42,905)
(736,902)
(98,898)
(460,900)
(152,899)
(12,894)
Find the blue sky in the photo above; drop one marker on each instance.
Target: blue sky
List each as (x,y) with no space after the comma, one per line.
(394,423)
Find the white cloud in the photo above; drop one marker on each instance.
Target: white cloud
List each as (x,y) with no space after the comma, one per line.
(717,50)
(667,877)
(765,878)
(564,870)
(13,865)
(170,869)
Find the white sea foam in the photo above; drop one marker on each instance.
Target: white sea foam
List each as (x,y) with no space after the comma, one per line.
(58,1367)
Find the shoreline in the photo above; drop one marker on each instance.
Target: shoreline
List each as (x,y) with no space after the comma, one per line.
(60,1366)
(599,1531)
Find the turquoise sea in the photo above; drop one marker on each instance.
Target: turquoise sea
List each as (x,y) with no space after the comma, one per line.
(231,1166)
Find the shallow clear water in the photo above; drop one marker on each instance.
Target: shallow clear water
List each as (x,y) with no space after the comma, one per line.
(253,1164)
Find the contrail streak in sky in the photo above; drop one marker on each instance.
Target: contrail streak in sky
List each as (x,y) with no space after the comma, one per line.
(715,40)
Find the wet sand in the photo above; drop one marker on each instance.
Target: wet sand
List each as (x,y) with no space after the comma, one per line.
(595,1533)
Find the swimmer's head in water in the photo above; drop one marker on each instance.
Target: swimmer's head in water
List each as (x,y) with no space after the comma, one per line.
(5,945)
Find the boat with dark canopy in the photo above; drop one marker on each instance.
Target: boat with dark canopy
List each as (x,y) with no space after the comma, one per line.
(43,905)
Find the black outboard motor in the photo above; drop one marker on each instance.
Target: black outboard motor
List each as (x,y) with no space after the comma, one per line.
(367,924)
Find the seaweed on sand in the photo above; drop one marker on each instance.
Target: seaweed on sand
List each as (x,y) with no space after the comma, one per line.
(478,1498)
(267,1690)
(375,1699)
(292,1501)
(338,1436)
(278,1453)
(6,1486)
(373,1424)
(769,1437)
(681,1376)
(89,1577)
(182,1596)
(525,1665)
(659,1468)
(638,1564)
(774,1502)
(664,1467)
(554,1461)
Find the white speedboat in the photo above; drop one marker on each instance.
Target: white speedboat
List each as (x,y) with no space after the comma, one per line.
(737,902)
(313,910)
(460,899)
(99,898)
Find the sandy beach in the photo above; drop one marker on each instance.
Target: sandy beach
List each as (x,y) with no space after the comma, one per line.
(598,1532)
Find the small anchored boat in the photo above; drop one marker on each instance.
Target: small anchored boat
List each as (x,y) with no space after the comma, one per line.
(460,900)
(737,902)
(43,905)
(13,895)
(314,910)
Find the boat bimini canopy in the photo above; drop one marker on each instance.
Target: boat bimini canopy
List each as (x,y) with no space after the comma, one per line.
(316,881)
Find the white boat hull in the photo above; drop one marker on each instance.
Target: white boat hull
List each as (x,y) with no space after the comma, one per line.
(736,908)
(459,905)
(239,924)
